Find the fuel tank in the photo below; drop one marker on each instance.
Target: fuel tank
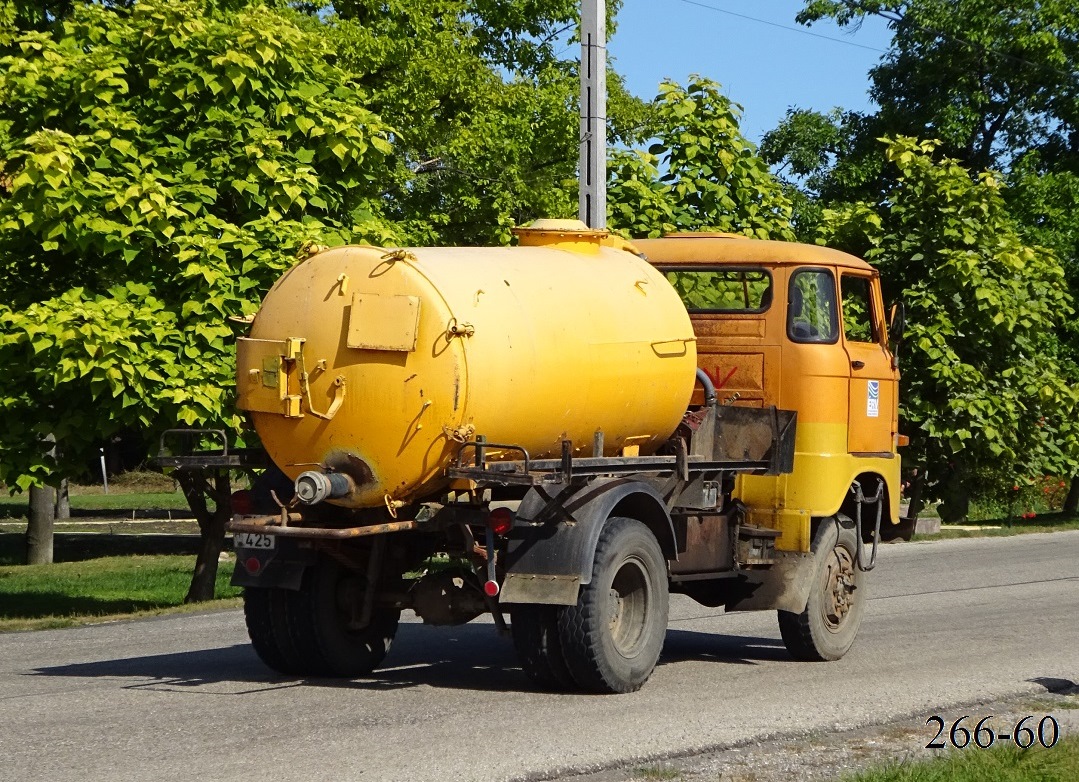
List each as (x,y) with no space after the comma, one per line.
(378,363)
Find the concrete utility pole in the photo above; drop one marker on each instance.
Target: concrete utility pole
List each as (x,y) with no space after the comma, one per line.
(40,518)
(593,166)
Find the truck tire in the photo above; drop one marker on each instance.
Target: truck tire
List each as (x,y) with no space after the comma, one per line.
(319,623)
(826,629)
(264,614)
(535,637)
(613,637)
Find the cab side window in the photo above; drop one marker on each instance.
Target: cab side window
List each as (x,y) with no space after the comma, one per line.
(858,322)
(811,307)
(734,290)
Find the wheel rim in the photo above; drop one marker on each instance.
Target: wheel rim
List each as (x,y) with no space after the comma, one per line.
(630,601)
(838,589)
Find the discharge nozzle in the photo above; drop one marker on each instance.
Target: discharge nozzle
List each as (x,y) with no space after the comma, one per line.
(314,487)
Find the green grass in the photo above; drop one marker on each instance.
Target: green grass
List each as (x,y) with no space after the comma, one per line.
(137,490)
(16,507)
(1046,522)
(69,593)
(140,500)
(999,764)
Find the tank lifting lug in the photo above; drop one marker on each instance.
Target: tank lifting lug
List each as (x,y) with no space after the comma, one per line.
(456,329)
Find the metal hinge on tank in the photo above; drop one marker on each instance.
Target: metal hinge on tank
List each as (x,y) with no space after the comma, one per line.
(274,379)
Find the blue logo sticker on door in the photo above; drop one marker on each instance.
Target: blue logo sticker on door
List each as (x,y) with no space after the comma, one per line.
(872,401)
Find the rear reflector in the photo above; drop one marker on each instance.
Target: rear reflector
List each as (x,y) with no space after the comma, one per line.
(501,520)
(242,503)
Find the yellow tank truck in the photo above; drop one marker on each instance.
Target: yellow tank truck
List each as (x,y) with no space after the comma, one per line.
(560,434)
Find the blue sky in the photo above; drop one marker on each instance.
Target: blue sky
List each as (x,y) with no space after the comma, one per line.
(763,67)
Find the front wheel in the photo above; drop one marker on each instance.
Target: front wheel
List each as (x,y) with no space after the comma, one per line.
(826,629)
(612,638)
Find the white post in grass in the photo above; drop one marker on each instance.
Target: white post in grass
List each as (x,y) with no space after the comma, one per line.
(104,475)
(593,166)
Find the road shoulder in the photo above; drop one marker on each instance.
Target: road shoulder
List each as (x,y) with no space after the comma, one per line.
(823,756)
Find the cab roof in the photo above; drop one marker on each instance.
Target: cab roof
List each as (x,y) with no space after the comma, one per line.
(702,249)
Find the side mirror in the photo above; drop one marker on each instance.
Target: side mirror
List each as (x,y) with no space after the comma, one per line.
(897,324)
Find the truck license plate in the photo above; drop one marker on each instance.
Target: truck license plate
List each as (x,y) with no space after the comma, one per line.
(254,540)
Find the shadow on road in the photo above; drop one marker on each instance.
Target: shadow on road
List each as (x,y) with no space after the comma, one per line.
(1056,686)
(685,645)
(469,657)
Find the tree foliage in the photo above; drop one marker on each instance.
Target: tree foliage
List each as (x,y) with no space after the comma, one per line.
(700,173)
(986,78)
(483,98)
(994,82)
(166,164)
(985,393)
(995,85)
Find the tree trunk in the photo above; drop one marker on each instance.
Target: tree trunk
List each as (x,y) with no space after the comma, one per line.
(40,524)
(1071,504)
(914,494)
(196,488)
(63,502)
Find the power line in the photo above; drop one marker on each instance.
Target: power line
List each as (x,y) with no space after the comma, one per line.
(788,28)
(896,18)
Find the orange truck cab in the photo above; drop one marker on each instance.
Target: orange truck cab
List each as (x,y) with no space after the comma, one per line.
(803,328)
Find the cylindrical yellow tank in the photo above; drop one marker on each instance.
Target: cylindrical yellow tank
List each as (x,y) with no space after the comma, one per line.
(407,352)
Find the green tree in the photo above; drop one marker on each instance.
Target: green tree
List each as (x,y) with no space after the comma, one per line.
(996,83)
(987,78)
(986,394)
(700,173)
(167,161)
(484,98)
(166,164)
(993,81)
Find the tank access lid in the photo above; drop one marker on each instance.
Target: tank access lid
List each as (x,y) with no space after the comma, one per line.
(571,235)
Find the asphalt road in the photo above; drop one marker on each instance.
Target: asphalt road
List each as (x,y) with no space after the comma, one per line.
(185,698)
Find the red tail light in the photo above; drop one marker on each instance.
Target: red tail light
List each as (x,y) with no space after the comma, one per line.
(501,520)
(242,503)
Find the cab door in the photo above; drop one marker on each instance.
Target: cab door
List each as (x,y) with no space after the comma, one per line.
(873,398)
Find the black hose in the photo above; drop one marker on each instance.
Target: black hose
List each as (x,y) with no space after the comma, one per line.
(709,387)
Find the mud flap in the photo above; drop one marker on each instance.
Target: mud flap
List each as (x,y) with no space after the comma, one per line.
(554,538)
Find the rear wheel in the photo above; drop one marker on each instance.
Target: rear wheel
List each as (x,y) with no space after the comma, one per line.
(264,614)
(613,637)
(535,637)
(826,629)
(324,622)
